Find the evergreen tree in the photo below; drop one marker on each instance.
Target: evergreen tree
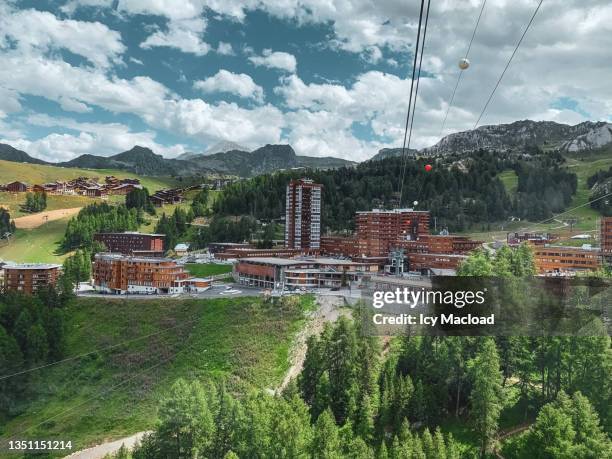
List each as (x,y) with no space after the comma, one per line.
(382,451)
(326,442)
(7,226)
(487,396)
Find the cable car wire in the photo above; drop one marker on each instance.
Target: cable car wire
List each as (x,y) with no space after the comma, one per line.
(418,195)
(112,346)
(110,389)
(404,160)
(508,64)
(416,53)
(452,99)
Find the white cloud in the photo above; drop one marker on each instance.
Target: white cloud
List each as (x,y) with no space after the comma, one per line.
(94,138)
(225,49)
(136,61)
(59,81)
(225,121)
(565,55)
(324,133)
(325,114)
(38,32)
(275,60)
(239,84)
(373,54)
(182,34)
(9,102)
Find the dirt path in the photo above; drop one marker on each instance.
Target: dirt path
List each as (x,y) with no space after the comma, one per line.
(34,221)
(99,451)
(328,311)
(509,433)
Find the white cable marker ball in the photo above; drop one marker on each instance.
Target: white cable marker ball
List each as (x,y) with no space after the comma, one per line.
(464,63)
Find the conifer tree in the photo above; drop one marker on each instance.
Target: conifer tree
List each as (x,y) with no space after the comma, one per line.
(326,442)
(487,396)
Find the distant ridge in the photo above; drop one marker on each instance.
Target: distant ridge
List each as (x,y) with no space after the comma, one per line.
(8,153)
(143,161)
(219,147)
(587,136)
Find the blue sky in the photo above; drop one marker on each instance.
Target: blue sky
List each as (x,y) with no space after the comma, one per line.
(330,78)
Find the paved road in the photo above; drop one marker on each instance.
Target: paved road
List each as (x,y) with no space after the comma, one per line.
(217,291)
(99,451)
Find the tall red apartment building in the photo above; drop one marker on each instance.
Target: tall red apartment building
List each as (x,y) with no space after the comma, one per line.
(380,230)
(303,215)
(606,238)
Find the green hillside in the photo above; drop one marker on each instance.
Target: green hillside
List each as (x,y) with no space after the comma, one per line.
(36,173)
(14,201)
(35,245)
(114,393)
(586,218)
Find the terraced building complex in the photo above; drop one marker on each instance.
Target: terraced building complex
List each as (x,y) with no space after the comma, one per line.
(115,273)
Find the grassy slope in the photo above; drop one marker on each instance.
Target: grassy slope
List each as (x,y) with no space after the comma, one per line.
(13,202)
(243,340)
(35,245)
(510,181)
(37,174)
(39,244)
(208,269)
(583,166)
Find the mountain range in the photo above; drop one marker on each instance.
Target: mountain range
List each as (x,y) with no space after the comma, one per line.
(231,159)
(219,147)
(143,161)
(582,137)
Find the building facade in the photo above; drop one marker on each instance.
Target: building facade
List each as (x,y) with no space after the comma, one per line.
(430,243)
(133,243)
(119,274)
(605,238)
(421,262)
(235,254)
(303,215)
(380,230)
(17,187)
(306,273)
(30,277)
(565,260)
(514,239)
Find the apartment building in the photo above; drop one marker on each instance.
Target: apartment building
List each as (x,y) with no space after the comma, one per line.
(119,274)
(30,277)
(133,243)
(381,229)
(565,260)
(429,243)
(303,215)
(420,262)
(605,238)
(514,239)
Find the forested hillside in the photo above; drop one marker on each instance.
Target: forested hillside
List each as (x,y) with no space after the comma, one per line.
(424,397)
(459,191)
